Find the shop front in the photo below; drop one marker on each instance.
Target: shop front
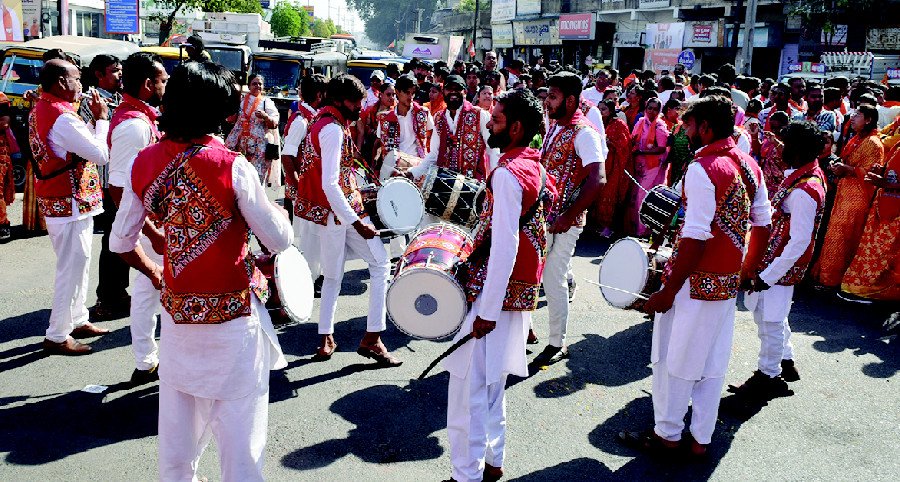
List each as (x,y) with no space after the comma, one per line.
(578,33)
(627,51)
(538,37)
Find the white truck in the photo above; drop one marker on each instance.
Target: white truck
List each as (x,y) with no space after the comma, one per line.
(433,47)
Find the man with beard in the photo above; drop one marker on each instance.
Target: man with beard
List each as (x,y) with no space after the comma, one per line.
(504,273)
(692,333)
(218,344)
(66,153)
(490,66)
(328,196)
(573,153)
(459,138)
(816,111)
(133,127)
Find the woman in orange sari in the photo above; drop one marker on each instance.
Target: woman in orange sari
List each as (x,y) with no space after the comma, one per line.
(875,270)
(609,208)
(854,196)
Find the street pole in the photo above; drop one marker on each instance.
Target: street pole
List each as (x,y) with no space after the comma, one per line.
(475,26)
(735,30)
(746,65)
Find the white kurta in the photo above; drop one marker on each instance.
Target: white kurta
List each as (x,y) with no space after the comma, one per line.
(305,236)
(407,133)
(476,404)
(452,121)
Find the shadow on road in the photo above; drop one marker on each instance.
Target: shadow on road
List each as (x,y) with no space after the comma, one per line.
(393,424)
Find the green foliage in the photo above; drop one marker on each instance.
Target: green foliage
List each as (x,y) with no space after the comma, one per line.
(289,20)
(323,28)
(825,14)
(469,6)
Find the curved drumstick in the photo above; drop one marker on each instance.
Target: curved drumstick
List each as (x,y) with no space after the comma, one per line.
(617,289)
(635,181)
(462,341)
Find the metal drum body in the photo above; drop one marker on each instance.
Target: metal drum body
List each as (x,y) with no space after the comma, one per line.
(660,209)
(452,196)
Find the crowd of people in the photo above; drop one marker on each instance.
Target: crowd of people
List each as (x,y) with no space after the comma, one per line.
(776,181)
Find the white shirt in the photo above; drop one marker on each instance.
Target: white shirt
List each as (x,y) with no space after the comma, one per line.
(701,191)
(70,134)
(407,133)
(504,242)
(294,136)
(371,98)
(802,209)
(331,140)
(594,116)
(128,138)
(886,115)
(592,95)
(431,158)
(192,356)
(743,142)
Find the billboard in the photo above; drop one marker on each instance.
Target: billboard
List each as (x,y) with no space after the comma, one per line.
(502,35)
(528,7)
(31,18)
(13,31)
(665,41)
(536,32)
(577,26)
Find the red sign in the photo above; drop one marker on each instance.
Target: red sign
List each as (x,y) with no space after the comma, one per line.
(702,32)
(576,26)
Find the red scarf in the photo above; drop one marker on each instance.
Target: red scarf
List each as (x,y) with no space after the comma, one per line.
(246,116)
(144,108)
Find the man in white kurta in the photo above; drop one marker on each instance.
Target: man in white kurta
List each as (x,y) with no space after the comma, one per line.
(305,236)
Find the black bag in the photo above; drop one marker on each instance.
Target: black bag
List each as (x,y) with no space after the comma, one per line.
(273,151)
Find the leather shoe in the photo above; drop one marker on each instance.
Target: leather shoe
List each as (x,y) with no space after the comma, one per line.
(88,330)
(143,377)
(789,372)
(491,473)
(68,347)
(550,355)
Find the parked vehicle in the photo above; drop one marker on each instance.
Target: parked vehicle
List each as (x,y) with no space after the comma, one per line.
(281,70)
(171,56)
(362,69)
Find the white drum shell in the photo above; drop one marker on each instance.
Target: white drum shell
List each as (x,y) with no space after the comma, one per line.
(625,266)
(417,286)
(295,284)
(400,205)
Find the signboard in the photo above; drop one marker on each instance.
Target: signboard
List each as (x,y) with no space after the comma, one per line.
(502,35)
(14,31)
(627,39)
(686,58)
(653,3)
(703,34)
(808,67)
(31,18)
(503,10)
(893,74)
(837,38)
(577,26)
(762,37)
(423,51)
(536,32)
(883,38)
(664,42)
(528,7)
(123,16)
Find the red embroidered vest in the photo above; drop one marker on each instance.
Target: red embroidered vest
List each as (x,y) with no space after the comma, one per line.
(736,178)
(811,180)
(563,164)
(132,108)
(80,183)
(311,203)
(465,151)
(209,272)
(524,282)
(389,123)
(302,110)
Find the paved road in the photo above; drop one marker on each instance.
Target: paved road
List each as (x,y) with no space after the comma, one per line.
(342,420)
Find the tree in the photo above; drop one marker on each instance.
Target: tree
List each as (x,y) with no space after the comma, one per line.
(469,6)
(389,21)
(824,15)
(166,20)
(323,28)
(289,20)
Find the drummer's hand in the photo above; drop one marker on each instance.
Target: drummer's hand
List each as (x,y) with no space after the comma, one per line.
(367,231)
(759,285)
(660,302)
(562,224)
(482,327)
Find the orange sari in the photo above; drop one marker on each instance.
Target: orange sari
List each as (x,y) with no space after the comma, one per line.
(854,196)
(875,270)
(614,193)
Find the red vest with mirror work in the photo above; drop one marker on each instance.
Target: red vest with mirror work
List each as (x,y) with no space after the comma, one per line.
(389,124)
(464,151)
(564,164)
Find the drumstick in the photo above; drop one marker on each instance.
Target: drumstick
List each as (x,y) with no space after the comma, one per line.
(462,341)
(617,289)
(635,181)
(395,230)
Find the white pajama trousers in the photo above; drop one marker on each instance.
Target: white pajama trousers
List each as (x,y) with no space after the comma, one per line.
(186,424)
(145,306)
(72,244)
(306,239)
(336,241)
(556,286)
(774,334)
(476,419)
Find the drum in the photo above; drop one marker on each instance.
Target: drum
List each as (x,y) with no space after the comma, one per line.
(425,300)
(395,207)
(629,271)
(290,286)
(396,160)
(452,196)
(660,209)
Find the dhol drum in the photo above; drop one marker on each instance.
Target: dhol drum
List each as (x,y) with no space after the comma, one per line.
(452,196)
(425,300)
(660,209)
(290,286)
(395,160)
(630,272)
(395,207)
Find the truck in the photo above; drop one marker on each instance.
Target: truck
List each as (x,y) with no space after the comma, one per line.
(230,39)
(433,47)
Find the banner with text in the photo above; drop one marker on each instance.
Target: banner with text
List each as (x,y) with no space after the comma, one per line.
(536,32)
(665,41)
(502,35)
(528,7)
(123,16)
(503,10)
(577,26)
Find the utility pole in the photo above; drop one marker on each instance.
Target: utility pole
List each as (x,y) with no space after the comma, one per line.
(419,12)
(746,59)
(475,25)
(735,30)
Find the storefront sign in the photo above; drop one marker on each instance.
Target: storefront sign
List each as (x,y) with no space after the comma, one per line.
(665,36)
(702,34)
(883,38)
(503,10)
(836,38)
(536,32)
(577,26)
(653,3)
(627,39)
(807,67)
(502,35)
(123,16)
(686,58)
(528,7)
(422,51)
(893,74)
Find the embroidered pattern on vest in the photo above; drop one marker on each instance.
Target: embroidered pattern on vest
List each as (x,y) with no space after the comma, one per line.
(732,215)
(464,150)
(714,286)
(193,218)
(201,308)
(780,235)
(560,160)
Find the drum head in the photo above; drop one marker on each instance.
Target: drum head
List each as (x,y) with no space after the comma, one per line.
(295,284)
(426,303)
(624,267)
(400,205)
